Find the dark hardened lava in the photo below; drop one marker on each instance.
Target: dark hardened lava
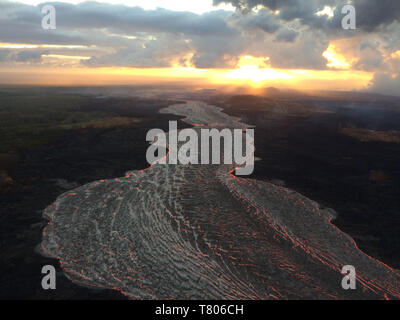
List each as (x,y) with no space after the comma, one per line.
(80,156)
(313,158)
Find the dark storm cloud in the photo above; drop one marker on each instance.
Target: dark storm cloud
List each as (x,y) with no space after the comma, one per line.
(287,35)
(288,9)
(371,14)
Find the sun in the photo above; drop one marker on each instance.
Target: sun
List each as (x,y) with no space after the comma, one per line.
(257,70)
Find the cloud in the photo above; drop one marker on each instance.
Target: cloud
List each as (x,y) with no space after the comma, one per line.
(131,20)
(163,51)
(263,20)
(370,59)
(4,54)
(305,53)
(385,83)
(288,32)
(28,56)
(289,10)
(371,14)
(287,35)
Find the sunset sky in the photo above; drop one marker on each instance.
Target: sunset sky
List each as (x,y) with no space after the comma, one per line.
(296,44)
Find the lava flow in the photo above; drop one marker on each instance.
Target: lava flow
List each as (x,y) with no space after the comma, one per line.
(199,232)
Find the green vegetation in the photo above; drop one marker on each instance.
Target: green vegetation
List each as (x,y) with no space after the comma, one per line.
(33,117)
(366,135)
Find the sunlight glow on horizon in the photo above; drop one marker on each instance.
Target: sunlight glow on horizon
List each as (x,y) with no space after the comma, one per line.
(65,68)
(76,76)
(256,70)
(64,64)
